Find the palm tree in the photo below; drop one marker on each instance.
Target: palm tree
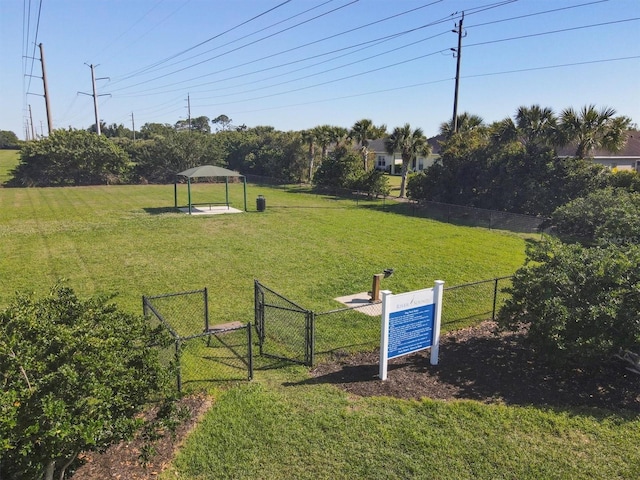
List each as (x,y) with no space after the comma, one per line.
(309,138)
(409,144)
(537,127)
(363,131)
(325,136)
(339,135)
(591,129)
(466,123)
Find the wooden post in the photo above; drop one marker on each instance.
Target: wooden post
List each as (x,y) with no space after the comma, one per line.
(375,287)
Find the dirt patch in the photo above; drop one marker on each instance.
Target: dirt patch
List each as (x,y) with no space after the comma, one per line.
(480,363)
(122,461)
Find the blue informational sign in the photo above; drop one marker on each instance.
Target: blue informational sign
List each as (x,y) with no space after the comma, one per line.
(410,330)
(410,322)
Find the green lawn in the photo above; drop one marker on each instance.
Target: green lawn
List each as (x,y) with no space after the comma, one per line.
(8,160)
(128,239)
(284,428)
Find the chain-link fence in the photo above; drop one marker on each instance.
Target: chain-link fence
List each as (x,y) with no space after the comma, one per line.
(477,217)
(291,332)
(200,352)
(346,330)
(283,327)
(467,304)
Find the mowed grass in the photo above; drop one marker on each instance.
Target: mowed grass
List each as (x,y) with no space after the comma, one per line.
(128,239)
(289,429)
(8,161)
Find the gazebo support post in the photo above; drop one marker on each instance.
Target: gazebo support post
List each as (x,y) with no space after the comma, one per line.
(175,193)
(244,181)
(189,192)
(226,190)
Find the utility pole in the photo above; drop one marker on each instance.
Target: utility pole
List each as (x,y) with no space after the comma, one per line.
(133,127)
(46,90)
(189,110)
(33,132)
(95,95)
(458,55)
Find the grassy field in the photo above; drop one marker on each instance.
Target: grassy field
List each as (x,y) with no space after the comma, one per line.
(8,160)
(282,427)
(129,240)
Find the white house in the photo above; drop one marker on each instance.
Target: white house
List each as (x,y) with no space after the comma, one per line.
(626,159)
(393,163)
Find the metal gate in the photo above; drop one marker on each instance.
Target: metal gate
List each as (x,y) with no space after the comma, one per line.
(284,328)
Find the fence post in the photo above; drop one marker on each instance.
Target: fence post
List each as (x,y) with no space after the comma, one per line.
(258,316)
(206,310)
(310,340)
(250,350)
(144,306)
(178,367)
(495,299)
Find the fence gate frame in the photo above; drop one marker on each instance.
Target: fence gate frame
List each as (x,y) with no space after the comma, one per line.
(261,324)
(150,310)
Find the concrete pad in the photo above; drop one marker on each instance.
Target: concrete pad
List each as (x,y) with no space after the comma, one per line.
(360,302)
(210,210)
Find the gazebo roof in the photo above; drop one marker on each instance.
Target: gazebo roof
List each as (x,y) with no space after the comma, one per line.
(208,171)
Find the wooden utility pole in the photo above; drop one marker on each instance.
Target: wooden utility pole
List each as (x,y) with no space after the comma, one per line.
(189,110)
(33,132)
(458,53)
(46,90)
(133,127)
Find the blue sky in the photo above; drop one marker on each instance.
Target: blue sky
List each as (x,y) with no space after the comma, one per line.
(270,62)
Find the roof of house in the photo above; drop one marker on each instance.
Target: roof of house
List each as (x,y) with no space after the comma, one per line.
(631,148)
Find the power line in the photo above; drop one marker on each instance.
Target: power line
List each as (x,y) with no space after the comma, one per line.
(113,41)
(35,44)
(248,35)
(138,72)
(245,45)
(433,82)
(297,47)
(473,11)
(520,37)
(418,58)
(535,14)
(363,45)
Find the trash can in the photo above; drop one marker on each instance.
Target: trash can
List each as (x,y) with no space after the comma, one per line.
(261,203)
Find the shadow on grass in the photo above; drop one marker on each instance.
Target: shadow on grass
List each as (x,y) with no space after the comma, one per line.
(479,364)
(161,210)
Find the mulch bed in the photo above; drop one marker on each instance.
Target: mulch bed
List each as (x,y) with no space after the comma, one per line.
(122,461)
(480,363)
(477,363)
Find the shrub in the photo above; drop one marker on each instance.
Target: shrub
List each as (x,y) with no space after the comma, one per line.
(70,157)
(75,374)
(578,303)
(608,215)
(373,182)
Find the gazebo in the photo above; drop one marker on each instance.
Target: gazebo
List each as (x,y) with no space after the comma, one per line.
(205,171)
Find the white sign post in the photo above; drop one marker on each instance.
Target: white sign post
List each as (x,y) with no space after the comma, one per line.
(410,323)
